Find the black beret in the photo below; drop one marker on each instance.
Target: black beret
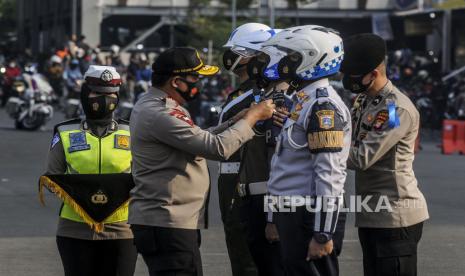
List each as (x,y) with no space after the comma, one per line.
(363,53)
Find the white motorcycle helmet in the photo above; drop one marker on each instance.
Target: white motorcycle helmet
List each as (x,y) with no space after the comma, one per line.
(244,42)
(313,52)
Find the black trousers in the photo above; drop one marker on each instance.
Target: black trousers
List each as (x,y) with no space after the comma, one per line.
(169,251)
(295,232)
(390,251)
(97,258)
(266,255)
(235,229)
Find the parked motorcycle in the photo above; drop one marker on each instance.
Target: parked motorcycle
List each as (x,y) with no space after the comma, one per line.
(30,105)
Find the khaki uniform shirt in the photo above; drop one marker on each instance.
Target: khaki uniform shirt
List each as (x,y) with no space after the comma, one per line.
(169,166)
(382,155)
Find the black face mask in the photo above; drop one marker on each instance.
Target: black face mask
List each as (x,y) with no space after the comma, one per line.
(256,68)
(193,90)
(97,108)
(229,58)
(288,65)
(355,84)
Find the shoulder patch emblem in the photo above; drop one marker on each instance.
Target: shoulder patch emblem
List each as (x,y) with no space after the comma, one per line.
(122,142)
(181,116)
(326,118)
(55,140)
(380,119)
(78,142)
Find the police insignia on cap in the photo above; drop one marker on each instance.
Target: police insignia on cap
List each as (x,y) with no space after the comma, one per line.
(106,76)
(95,106)
(99,198)
(326,118)
(122,142)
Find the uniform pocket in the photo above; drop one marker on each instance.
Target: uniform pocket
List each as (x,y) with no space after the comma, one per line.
(396,258)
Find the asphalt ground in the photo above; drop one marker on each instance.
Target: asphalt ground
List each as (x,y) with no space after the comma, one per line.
(27,230)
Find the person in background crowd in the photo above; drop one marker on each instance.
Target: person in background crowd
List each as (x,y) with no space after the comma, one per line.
(73,78)
(12,72)
(55,75)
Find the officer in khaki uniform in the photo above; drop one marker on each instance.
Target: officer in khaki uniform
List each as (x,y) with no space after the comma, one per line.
(385,126)
(168,203)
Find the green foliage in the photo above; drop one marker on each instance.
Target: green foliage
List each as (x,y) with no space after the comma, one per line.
(7,9)
(240,4)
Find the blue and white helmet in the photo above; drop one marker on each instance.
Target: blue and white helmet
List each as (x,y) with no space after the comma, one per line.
(246,40)
(271,70)
(320,47)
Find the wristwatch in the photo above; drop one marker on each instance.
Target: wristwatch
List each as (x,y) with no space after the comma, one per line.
(322,238)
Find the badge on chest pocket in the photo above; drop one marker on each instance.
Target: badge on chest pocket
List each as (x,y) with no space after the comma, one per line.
(122,142)
(78,142)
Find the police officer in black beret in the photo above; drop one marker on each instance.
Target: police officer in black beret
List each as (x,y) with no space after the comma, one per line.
(385,127)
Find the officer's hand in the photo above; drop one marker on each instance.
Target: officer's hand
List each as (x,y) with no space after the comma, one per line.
(317,250)
(259,112)
(271,233)
(280,116)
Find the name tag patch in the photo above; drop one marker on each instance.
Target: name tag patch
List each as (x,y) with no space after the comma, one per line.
(78,142)
(122,142)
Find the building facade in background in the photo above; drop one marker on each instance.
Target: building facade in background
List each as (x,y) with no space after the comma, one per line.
(415,24)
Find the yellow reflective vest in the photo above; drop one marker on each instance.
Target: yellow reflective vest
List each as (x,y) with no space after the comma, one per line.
(88,154)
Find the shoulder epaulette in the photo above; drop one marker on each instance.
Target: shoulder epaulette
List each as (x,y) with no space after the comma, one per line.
(68,122)
(122,121)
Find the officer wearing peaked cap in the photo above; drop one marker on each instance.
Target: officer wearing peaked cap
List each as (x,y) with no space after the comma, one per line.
(386,125)
(96,145)
(169,150)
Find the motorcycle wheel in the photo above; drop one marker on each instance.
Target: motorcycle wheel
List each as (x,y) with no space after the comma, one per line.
(31,123)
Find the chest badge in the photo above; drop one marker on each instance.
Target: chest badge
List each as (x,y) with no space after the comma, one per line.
(326,118)
(370,118)
(78,142)
(122,142)
(381,118)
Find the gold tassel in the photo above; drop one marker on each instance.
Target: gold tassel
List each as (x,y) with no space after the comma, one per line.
(60,193)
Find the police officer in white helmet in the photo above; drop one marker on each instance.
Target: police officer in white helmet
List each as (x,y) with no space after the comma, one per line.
(311,152)
(242,45)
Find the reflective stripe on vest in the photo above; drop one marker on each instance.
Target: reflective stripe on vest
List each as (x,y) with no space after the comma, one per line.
(87,154)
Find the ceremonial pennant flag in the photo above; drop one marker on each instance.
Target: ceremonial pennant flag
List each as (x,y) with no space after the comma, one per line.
(94,197)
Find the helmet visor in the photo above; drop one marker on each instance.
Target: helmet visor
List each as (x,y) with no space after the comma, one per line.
(244,52)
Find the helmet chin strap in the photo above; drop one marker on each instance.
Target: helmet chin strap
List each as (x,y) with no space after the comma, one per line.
(235,63)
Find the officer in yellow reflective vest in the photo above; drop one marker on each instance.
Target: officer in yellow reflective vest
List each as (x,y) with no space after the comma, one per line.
(96,145)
